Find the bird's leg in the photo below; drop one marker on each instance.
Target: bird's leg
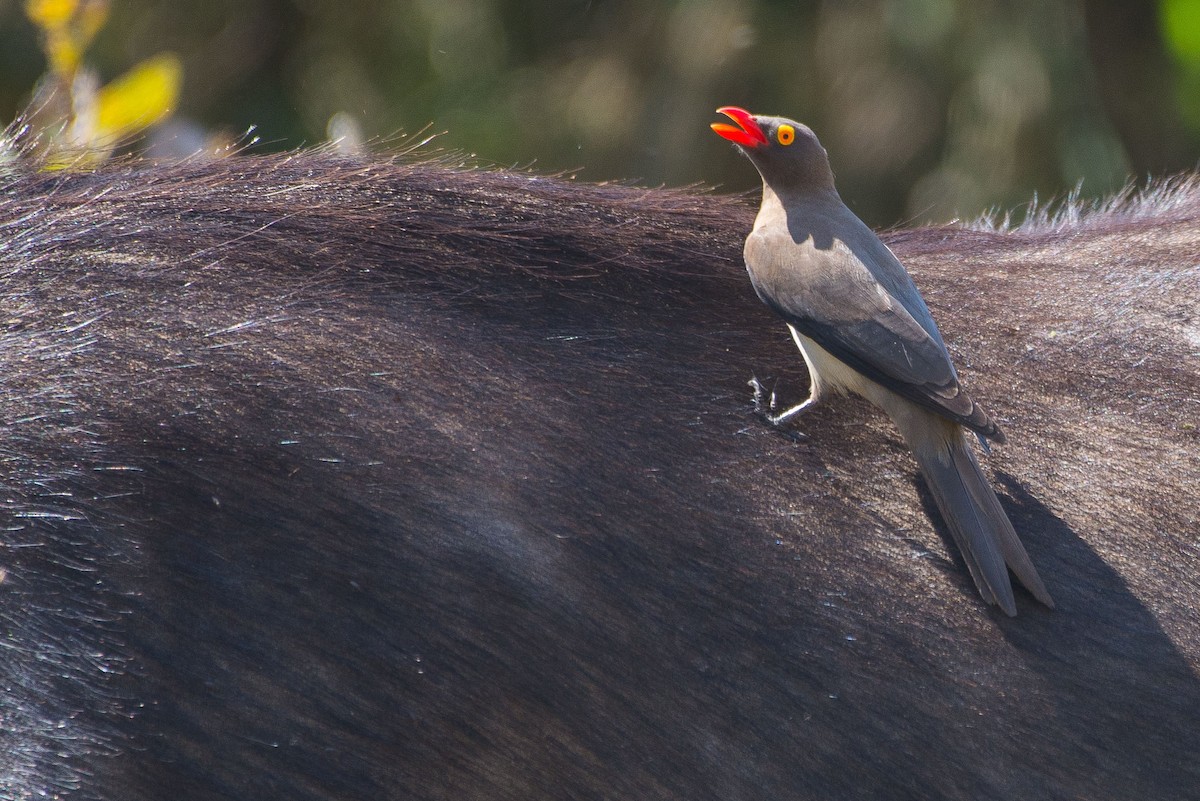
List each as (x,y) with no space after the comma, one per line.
(795,411)
(779,419)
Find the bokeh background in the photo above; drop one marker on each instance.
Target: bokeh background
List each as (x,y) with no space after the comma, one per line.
(930,109)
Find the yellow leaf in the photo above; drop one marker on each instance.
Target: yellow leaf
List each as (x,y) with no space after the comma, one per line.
(73,161)
(50,15)
(139,98)
(63,55)
(68,27)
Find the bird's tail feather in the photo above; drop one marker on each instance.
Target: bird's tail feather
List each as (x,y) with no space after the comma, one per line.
(972,512)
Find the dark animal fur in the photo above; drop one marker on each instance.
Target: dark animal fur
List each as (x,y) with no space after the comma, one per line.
(336,480)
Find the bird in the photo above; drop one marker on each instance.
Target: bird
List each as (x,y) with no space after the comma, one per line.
(863,328)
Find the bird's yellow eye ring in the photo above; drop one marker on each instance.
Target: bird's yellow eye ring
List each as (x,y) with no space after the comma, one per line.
(785,135)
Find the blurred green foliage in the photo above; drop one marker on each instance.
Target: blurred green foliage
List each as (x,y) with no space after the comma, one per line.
(930,109)
(1181,28)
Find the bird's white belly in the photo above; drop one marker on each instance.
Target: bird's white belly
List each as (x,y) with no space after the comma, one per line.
(829,374)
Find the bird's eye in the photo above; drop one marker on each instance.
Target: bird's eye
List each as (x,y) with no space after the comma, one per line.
(786,134)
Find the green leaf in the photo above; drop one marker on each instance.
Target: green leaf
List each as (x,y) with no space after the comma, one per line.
(1180,20)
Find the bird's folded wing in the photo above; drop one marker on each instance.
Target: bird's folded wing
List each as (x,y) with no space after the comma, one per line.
(831,297)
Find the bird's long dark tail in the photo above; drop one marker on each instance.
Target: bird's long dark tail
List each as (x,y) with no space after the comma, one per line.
(972,512)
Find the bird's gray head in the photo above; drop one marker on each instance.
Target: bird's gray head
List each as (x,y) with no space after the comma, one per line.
(786,153)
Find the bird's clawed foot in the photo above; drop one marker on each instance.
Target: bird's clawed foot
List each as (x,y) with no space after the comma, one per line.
(782,417)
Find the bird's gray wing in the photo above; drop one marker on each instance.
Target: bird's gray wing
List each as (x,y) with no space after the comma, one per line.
(830,295)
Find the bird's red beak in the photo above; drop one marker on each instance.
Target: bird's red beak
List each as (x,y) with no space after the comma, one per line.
(747,134)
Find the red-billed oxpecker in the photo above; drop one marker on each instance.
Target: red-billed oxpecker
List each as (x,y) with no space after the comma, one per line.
(863,327)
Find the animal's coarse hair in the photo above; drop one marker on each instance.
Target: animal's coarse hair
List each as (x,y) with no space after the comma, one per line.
(326,478)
